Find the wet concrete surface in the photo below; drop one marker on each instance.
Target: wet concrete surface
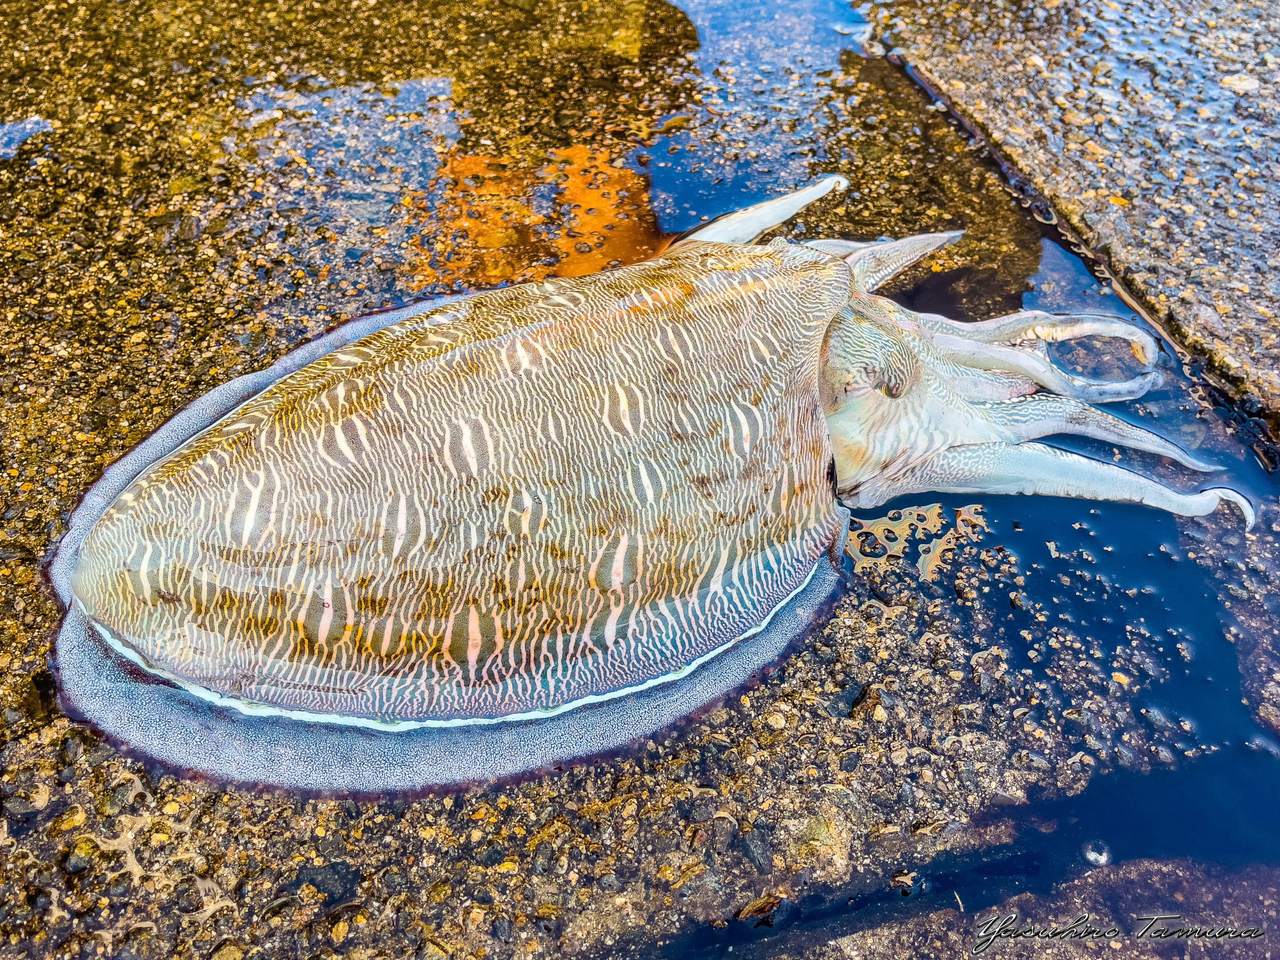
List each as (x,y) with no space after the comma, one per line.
(208,187)
(1152,128)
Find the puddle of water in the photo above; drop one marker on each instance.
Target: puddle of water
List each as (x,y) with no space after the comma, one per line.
(1118,573)
(1109,568)
(13,135)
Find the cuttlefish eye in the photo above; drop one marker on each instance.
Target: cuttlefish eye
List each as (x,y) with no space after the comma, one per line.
(477,538)
(892,390)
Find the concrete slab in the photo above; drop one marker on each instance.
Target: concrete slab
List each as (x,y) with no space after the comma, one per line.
(1153,128)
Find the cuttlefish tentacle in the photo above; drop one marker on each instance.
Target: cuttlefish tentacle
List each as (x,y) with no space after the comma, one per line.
(1027,363)
(1030,418)
(1041,327)
(950,340)
(979,385)
(1038,469)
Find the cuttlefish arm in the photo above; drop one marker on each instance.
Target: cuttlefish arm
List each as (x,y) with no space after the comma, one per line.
(914,407)
(919,403)
(1040,469)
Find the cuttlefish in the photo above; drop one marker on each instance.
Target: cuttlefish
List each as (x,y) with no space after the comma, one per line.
(490,534)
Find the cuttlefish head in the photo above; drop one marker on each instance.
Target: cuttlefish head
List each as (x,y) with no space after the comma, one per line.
(918,403)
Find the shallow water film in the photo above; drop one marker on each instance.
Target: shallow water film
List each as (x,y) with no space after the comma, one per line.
(1064,703)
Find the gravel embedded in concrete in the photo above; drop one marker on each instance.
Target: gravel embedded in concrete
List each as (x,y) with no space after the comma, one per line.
(217,185)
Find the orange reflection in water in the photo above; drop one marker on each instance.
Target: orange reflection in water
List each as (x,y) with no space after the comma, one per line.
(493,220)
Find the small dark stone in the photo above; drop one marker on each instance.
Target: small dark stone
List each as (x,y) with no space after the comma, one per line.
(549,925)
(331,845)
(841,705)
(337,880)
(40,696)
(112,803)
(541,860)
(492,855)
(16,808)
(609,882)
(393,880)
(502,929)
(723,830)
(187,897)
(701,811)
(97,753)
(120,885)
(80,856)
(756,849)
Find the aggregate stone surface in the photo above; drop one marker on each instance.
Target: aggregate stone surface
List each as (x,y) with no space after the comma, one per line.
(1152,128)
(188,192)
